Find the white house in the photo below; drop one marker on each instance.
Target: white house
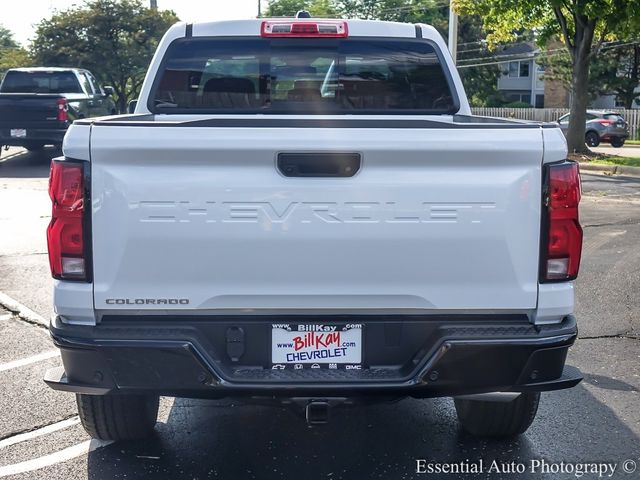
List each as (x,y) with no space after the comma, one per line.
(521,79)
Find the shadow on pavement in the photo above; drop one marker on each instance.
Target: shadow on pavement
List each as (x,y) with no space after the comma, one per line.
(221,439)
(24,164)
(608,383)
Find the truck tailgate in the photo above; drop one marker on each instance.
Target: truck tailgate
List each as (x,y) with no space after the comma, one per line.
(200,218)
(28,110)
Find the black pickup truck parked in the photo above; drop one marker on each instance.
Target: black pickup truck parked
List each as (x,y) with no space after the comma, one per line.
(37,105)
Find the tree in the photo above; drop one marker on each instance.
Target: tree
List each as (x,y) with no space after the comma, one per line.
(433,12)
(288,8)
(6,38)
(481,81)
(622,75)
(12,55)
(115,39)
(13,58)
(582,24)
(615,71)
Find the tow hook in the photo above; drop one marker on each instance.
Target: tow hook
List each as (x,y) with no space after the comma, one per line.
(317,412)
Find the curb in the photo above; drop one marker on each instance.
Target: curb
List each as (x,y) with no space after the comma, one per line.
(22,311)
(611,169)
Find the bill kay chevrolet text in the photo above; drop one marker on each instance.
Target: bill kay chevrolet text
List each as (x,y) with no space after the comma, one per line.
(304,211)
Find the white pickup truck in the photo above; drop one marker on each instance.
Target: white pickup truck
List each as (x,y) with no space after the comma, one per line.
(305,211)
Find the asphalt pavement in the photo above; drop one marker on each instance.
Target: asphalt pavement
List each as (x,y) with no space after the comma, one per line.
(597,421)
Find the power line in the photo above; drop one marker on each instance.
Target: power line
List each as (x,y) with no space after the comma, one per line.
(409,8)
(520,56)
(483,40)
(529,58)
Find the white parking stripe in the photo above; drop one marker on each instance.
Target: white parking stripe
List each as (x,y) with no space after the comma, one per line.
(54,427)
(29,360)
(53,458)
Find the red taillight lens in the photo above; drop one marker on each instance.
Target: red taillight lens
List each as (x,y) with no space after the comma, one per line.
(606,123)
(564,233)
(292,28)
(65,234)
(63,110)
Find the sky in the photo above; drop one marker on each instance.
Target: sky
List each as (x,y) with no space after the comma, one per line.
(19,16)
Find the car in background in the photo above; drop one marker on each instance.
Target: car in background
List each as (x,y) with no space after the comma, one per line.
(37,105)
(602,126)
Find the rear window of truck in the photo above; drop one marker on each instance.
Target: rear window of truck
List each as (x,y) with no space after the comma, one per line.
(40,82)
(310,76)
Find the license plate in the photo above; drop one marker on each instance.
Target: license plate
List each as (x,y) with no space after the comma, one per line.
(316,346)
(18,132)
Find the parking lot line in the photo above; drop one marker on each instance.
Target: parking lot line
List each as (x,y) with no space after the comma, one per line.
(53,458)
(29,360)
(54,427)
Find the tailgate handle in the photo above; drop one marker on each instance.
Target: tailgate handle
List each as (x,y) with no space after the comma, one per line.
(318,164)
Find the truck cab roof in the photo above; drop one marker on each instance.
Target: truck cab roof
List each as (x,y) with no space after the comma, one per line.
(254,28)
(357,28)
(46,69)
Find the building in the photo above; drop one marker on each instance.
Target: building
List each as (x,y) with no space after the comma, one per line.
(521,79)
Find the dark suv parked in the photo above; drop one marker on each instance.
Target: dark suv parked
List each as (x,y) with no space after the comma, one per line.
(602,126)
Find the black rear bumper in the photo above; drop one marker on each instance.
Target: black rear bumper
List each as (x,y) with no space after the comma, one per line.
(418,356)
(45,136)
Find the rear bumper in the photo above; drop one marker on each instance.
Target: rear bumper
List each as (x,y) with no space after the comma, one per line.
(609,135)
(47,136)
(403,356)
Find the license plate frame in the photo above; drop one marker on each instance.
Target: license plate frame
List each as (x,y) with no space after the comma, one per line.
(311,345)
(18,132)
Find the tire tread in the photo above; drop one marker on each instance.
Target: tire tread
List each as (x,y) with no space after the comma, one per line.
(117,417)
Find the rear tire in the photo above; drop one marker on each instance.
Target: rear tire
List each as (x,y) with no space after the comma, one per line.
(498,419)
(592,139)
(118,417)
(617,142)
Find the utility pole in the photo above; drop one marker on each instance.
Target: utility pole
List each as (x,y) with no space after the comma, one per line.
(154,4)
(259,12)
(453,32)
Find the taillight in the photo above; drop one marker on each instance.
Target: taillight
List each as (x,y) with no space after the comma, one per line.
(63,110)
(605,123)
(307,29)
(562,246)
(65,234)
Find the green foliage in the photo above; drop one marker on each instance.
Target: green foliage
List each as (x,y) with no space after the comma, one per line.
(620,73)
(616,160)
(433,12)
(115,39)
(288,8)
(6,38)
(518,105)
(12,55)
(481,82)
(504,19)
(13,58)
(614,71)
(582,25)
